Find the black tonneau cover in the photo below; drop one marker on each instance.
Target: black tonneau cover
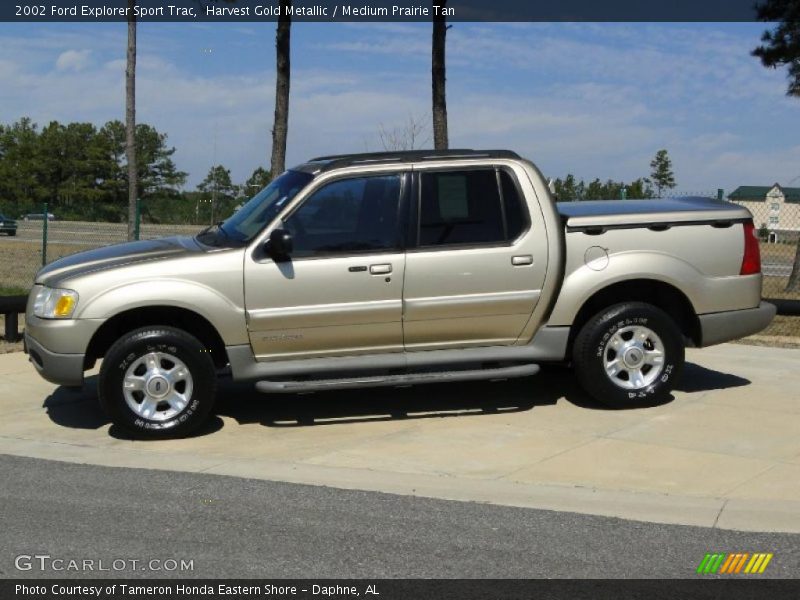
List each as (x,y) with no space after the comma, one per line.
(616,214)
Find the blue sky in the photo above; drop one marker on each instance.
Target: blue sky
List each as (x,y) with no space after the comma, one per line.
(594,99)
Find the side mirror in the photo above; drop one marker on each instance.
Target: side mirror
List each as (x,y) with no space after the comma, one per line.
(279,245)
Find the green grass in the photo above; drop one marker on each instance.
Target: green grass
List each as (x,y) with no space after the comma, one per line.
(783,332)
(13,291)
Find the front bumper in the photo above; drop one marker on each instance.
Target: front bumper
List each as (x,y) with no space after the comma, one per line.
(61,369)
(57,347)
(717,328)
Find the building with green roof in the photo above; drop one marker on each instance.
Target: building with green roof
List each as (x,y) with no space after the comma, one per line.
(776,209)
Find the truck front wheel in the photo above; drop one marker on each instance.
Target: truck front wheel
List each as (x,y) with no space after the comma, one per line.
(629,355)
(157,382)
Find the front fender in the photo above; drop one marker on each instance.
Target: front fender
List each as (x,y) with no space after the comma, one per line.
(227,317)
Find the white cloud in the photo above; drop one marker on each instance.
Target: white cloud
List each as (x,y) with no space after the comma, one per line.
(73,60)
(604,97)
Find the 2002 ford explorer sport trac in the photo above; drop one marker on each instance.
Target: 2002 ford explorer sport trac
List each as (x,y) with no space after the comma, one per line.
(397,269)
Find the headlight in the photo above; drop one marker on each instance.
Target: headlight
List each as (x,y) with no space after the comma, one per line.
(55,304)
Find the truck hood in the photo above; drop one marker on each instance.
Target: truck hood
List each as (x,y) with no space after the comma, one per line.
(619,213)
(119,255)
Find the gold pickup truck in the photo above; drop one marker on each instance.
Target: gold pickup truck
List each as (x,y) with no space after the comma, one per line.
(396,269)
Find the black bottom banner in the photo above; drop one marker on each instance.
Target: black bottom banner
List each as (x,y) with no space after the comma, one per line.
(397,589)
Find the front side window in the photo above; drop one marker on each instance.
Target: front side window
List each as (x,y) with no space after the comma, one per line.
(480,206)
(248,221)
(348,216)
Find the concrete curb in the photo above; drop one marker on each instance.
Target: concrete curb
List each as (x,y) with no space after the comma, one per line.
(701,511)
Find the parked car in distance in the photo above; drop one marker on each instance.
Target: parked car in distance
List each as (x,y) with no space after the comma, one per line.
(38,217)
(8,226)
(397,269)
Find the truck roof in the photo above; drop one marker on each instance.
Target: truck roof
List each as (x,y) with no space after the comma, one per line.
(322,164)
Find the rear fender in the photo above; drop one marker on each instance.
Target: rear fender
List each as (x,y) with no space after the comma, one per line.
(706,294)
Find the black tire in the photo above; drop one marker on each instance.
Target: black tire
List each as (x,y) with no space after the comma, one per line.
(592,350)
(168,341)
(12,233)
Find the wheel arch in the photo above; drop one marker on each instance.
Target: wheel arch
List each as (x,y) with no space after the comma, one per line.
(662,295)
(147,316)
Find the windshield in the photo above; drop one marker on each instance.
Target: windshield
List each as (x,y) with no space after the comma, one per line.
(249,220)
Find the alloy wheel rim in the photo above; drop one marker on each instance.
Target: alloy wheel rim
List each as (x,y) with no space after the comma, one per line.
(633,357)
(157,386)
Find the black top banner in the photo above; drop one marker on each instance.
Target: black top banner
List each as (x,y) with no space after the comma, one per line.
(378,10)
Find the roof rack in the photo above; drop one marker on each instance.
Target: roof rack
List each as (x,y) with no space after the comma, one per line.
(345,160)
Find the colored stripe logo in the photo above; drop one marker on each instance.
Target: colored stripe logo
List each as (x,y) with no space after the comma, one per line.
(721,563)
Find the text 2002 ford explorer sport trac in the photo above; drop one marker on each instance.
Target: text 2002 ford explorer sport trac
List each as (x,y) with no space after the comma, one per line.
(398,269)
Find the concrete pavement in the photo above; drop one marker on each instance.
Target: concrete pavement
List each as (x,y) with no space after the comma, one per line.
(724,453)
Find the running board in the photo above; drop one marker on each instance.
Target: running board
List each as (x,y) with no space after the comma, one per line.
(406,379)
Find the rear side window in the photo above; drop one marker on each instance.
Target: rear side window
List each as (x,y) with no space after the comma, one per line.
(516,212)
(466,208)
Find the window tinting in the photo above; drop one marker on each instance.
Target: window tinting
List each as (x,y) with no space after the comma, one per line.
(465,207)
(516,213)
(350,215)
(460,207)
(245,223)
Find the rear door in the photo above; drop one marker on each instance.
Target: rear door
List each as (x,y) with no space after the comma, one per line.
(475,266)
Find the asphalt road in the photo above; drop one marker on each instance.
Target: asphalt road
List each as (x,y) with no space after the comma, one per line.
(245,528)
(777,270)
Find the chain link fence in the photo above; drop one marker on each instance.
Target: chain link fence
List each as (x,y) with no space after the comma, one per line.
(777,221)
(31,240)
(776,216)
(39,240)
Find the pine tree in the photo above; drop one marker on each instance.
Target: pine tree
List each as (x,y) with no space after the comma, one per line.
(441,140)
(662,175)
(280,127)
(130,119)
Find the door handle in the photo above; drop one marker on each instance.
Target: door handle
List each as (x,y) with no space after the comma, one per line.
(521,261)
(380,269)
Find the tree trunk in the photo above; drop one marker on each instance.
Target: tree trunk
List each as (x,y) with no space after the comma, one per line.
(280,128)
(130,121)
(438,75)
(793,285)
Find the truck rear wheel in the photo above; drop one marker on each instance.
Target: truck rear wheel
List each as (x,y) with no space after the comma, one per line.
(158,382)
(629,355)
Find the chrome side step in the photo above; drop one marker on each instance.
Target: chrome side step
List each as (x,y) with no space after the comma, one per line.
(404,380)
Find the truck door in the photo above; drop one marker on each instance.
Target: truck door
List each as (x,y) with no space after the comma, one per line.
(340,291)
(475,266)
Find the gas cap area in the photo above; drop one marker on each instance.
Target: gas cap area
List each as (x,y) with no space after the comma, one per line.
(596,258)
